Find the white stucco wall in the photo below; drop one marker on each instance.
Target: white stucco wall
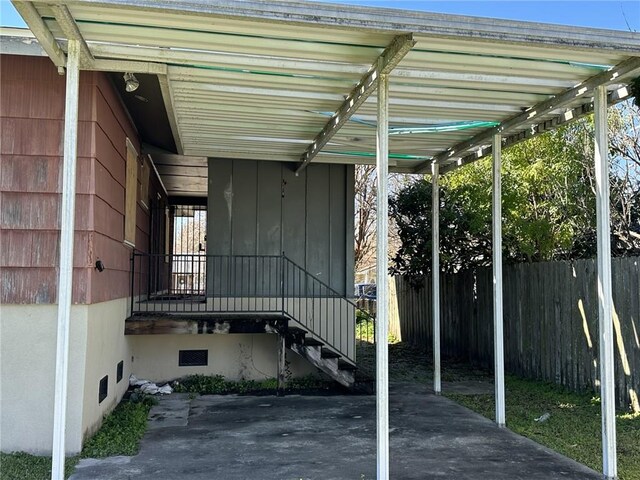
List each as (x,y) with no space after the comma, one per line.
(235,356)
(97,344)
(27,373)
(106,346)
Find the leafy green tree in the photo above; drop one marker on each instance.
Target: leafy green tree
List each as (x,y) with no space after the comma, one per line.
(548,202)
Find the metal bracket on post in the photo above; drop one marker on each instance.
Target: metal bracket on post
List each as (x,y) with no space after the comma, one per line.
(72,32)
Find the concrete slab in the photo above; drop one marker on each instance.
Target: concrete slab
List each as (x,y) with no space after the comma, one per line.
(170,411)
(332,437)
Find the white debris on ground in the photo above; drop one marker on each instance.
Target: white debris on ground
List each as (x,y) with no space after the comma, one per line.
(542,418)
(148,387)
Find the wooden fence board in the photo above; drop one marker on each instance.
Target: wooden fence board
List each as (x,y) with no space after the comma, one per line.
(550,315)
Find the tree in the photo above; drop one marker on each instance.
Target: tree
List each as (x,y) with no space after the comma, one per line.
(365,216)
(548,202)
(365,219)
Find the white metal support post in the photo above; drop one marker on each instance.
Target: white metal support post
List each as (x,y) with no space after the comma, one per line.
(435,274)
(382,322)
(605,299)
(498,330)
(65,277)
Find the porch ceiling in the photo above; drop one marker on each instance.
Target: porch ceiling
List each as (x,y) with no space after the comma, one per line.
(260,80)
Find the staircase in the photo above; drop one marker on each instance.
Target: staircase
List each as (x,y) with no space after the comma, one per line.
(249,294)
(342,370)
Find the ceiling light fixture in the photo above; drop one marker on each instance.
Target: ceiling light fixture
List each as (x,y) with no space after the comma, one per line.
(131,83)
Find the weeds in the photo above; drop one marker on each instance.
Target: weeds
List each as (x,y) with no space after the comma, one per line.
(120,434)
(218,385)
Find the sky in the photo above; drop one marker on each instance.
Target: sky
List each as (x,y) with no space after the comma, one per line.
(613,14)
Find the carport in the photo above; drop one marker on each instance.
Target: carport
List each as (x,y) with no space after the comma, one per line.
(411,92)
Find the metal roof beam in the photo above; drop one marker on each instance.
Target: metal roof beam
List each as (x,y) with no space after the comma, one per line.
(569,116)
(128,66)
(383,65)
(169,105)
(42,32)
(72,32)
(604,78)
(189,58)
(394,20)
(482,78)
(240,60)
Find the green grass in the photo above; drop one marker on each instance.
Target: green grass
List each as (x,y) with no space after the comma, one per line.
(574,428)
(119,434)
(121,431)
(218,385)
(22,466)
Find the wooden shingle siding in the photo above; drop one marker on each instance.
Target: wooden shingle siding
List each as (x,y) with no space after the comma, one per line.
(32,114)
(32,211)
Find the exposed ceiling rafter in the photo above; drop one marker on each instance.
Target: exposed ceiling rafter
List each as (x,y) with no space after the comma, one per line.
(103,65)
(604,78)
(42,32)
(613,97)
(384,64)
(169,105)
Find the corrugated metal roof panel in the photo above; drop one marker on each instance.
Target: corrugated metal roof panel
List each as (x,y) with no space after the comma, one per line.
(261,80)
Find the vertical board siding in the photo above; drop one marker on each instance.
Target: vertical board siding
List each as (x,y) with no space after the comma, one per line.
(551,321)
(269,208)
(294,211)
(244,208)
(318,219)
(262,208)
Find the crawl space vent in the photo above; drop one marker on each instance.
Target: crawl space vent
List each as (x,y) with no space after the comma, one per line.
(119,371)
(193,358)
(104,388)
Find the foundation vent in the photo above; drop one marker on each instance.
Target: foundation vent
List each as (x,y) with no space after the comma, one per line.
(104,388)
(119,371)
(193,358)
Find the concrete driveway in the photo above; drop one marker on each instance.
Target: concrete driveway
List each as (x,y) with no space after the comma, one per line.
(327,437)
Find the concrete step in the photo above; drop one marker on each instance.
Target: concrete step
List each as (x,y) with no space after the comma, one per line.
(329,366)
(326,353)
(344,365)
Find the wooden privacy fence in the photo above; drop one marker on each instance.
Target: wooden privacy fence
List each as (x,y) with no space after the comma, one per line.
(550,321)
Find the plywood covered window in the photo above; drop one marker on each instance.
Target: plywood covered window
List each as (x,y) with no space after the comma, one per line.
(131,195)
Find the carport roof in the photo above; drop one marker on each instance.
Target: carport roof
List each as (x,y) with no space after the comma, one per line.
(260,80)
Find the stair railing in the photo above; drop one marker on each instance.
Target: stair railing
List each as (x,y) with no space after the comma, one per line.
(198,283)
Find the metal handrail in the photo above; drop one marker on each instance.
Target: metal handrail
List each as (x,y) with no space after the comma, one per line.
(368,317)
(201,283)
